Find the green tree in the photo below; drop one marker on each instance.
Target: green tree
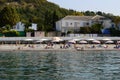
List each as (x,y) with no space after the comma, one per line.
(77,13)
(8,27)
(9,15)
(114,32)
(96,28)
(48,21)
(85,30)
(89,13)
(99,13)
(55,18)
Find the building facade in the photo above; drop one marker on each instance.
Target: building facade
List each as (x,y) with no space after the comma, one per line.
(19,27)
(33,26)
(73,23)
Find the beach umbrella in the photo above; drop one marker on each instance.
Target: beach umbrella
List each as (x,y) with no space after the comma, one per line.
(110,42)
(71,41)
(118,42)
(83,42)
(56,39)
(96,41)
(90,40)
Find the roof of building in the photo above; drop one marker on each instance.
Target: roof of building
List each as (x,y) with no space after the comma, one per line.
(86,18)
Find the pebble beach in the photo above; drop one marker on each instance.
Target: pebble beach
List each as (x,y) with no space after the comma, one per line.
(42,47)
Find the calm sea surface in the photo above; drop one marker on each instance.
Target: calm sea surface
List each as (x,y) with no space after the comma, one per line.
(69,65)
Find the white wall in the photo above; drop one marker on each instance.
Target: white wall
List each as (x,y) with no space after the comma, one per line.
(65,25)
(19,27)
(107,24)
(39,34)
(58,25)
(33,26)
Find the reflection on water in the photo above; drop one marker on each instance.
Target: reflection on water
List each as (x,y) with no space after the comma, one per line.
(83,65)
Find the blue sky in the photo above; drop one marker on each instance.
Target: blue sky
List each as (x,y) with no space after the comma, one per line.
(107,6)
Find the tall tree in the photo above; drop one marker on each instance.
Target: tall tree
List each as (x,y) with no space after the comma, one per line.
(55,18)
(9,16)
(96,28)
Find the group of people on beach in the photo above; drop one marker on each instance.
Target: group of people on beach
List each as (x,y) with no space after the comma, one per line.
(61,46)
(117,46)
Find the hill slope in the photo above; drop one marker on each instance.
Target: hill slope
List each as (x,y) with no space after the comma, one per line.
(45,13)
(42,12)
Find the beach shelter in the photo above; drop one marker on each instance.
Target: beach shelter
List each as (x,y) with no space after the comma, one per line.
(83,42)
(109,42)
(72,41)
(56,39)
(96,42)
(118,42)
(90,40)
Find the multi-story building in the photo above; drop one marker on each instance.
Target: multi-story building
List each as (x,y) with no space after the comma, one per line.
(69,23)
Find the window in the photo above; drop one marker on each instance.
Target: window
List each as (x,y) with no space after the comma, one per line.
(87,24)
(17,27)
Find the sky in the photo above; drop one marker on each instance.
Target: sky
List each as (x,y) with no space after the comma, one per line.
(107,6)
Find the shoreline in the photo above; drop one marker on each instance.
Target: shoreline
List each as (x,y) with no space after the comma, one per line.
(58,50)
(56,47)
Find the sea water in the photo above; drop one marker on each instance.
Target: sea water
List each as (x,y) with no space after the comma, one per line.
(60,65)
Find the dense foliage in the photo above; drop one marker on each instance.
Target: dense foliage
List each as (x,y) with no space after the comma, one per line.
(94,29)
(9,16)
(42,12)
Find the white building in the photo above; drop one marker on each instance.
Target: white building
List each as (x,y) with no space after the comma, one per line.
(33,26)
(19,27)
(69,23)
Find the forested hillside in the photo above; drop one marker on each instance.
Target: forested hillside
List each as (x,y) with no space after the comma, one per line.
(42,12)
